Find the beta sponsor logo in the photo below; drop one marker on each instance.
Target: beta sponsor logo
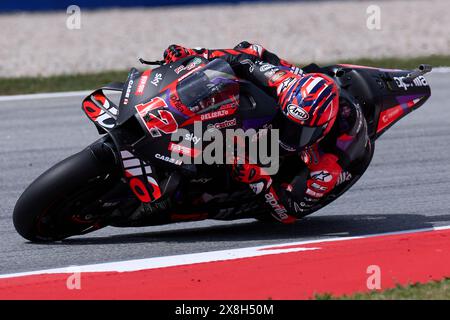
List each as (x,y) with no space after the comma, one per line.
(214,115)
(156,79)
(420,81)
(141,84)
(168,159)
(297,112)
(128,92)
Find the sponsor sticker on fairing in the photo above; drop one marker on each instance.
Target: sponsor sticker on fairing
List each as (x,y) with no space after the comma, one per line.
(214,114)
(163,122)
(192,138)
(128,92)
(420,81)
(142,82)
(168,159)
(183,150)
(223,124)
(190,66)
(156,79)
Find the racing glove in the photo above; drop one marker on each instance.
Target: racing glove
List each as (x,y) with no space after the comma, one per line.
(176,52)
(252,175)
(261,183)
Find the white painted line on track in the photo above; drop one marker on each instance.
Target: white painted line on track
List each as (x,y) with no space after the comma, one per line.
(48,95)
(205,257)
(163,262)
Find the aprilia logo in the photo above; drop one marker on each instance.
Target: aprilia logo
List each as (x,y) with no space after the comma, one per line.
(278,208)
(417,82)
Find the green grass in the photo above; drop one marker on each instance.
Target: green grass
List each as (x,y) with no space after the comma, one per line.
(76,82)
(435,290)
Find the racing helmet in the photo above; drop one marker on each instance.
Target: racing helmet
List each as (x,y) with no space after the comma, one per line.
(310,113)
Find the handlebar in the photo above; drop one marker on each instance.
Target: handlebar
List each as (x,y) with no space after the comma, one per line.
(151,63)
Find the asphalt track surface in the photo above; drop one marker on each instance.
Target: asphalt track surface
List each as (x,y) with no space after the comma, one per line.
(406,187)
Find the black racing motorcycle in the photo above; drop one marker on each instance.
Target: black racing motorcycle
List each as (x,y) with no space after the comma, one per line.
(115,180)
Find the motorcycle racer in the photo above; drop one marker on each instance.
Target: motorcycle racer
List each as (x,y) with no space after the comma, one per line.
(315,125)
(136,174)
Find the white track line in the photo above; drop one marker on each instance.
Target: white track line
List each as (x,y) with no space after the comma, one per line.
(204,257)
(163,262)
(48,95)
(53,95)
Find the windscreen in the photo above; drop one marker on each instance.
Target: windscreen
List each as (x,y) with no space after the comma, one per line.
(209,88)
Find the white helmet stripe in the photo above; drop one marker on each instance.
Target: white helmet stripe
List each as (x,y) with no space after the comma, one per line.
(313,84)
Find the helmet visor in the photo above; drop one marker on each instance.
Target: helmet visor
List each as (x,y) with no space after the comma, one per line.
(299,137)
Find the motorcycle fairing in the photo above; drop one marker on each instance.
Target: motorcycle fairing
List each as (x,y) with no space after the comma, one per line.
(140,177)
(199,100)
(381,93)
(406,104)
(100,109)
(140,87)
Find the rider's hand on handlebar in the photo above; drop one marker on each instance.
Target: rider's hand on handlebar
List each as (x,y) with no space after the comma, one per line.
(175,52)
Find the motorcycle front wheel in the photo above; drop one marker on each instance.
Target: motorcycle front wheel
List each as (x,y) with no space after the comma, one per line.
(65,200)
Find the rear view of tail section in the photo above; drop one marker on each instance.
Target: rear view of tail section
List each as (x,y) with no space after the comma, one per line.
(385,95)
(410,91)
